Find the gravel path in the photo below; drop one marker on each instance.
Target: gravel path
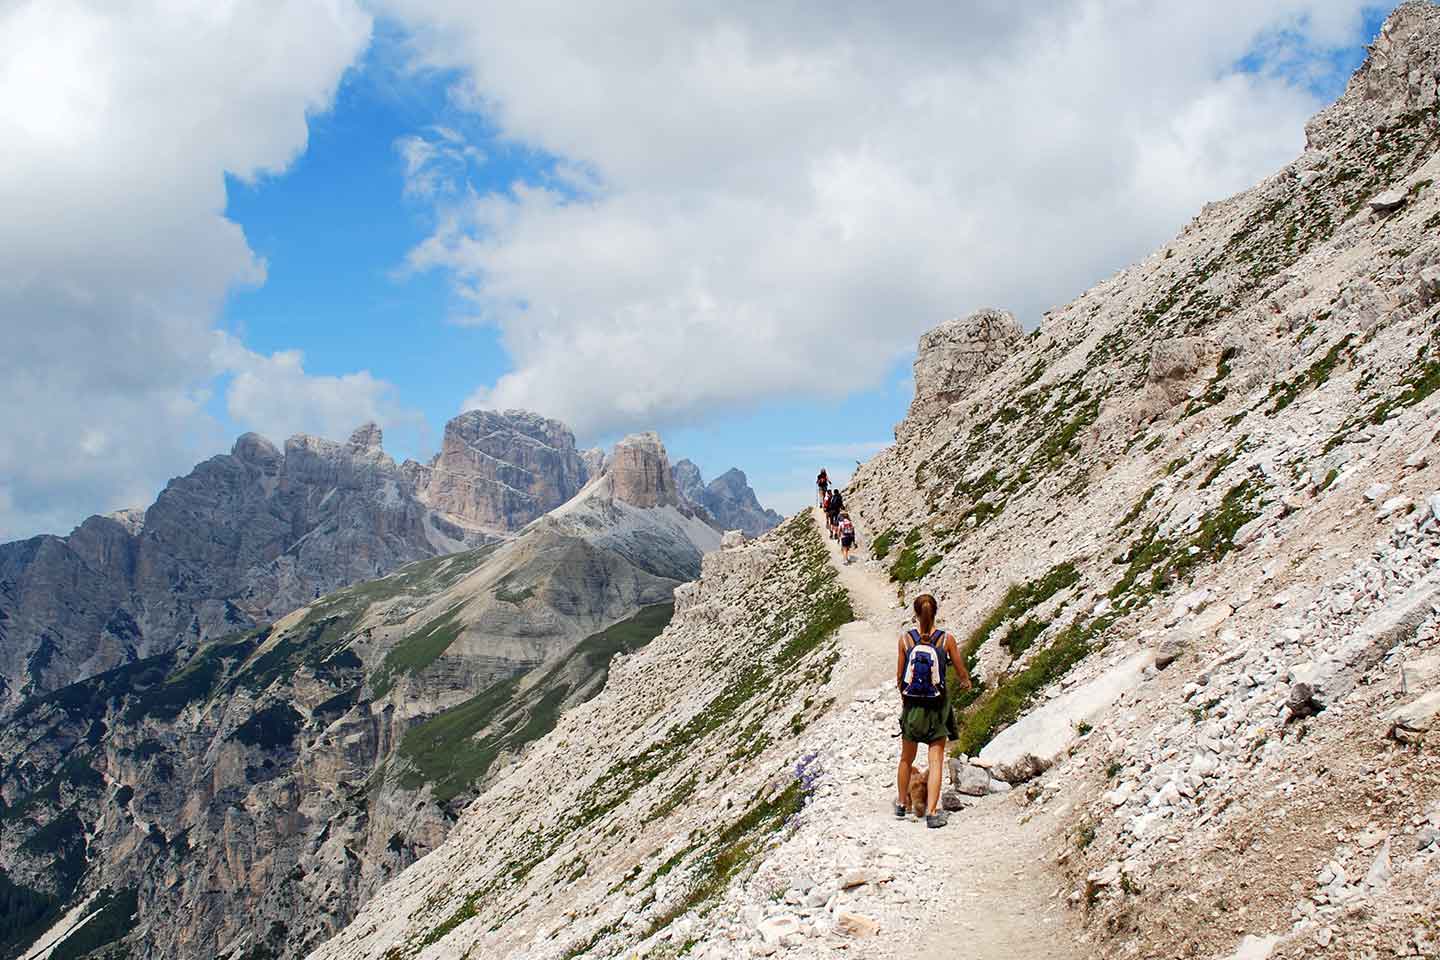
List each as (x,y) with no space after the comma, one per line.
(980,887)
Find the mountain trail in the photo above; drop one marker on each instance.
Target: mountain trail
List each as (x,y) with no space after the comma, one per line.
(978,887)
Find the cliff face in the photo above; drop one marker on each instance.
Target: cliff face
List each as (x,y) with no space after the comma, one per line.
(248,536)
(251,793)
(728,499)
(498,471)
(244,538)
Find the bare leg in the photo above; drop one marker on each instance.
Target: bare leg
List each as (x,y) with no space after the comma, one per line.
(902,777)
(937,775)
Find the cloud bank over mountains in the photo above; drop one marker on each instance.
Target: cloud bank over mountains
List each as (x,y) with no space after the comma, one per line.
(744,202)
(119,122)
(776,200)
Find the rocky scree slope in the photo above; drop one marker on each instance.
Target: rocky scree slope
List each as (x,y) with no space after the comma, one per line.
(1186,529)
(728,499)
(245,798)
(678,778)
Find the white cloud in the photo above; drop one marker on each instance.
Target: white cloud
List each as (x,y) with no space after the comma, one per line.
(772,194)
(436,164)
(118,123)
(274,396)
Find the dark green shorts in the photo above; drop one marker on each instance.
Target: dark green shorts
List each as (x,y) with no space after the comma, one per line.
(922,724)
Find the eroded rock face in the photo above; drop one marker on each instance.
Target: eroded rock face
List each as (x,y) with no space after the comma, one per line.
(640,470)
(728,499)
(242,539)
(959,352)
(500,470)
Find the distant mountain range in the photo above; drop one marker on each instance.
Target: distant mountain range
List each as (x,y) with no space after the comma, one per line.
(244,795)
(248,536)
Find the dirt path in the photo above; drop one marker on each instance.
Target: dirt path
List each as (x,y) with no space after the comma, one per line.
(979,888)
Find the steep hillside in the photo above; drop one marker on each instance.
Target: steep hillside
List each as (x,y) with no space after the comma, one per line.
(677,776)
(1224,457)
(249,796)
(1188,530)
(728,499)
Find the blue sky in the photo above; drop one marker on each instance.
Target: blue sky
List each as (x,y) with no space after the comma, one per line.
(334,230)
(728,224)
(336,227)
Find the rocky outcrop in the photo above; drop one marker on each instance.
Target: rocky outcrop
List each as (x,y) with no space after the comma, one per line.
(242,539)
(498,471)
(959,352)
(639,470)
(728,499)
(252,793)
(689,481)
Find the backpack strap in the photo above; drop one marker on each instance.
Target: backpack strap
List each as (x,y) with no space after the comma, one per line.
(914,637)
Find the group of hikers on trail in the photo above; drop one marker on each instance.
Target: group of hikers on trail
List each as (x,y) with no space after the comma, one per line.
(925,657)
(837,518)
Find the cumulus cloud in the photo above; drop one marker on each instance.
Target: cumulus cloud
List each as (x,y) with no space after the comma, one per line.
(771,193)
(274,396)
(119,122)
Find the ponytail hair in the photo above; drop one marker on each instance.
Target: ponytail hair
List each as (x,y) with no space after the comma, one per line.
(925,610)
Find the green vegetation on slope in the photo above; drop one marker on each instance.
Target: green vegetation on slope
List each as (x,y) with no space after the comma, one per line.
(449,751)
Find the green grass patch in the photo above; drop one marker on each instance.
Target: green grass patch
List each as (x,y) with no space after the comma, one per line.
(1019,600)
(1016,692)
(880,546)
(1022,636)
(417,651)
(734,850)
(455,749)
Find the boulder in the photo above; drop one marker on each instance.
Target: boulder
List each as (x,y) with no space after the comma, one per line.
(1429,286)
(972,781)
(959,352)
(1169,651)
(1411,721)
(1031,746)
(1387,201)
(856,925)
(1301,702)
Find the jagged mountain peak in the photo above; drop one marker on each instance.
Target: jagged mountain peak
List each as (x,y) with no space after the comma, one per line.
(639,472)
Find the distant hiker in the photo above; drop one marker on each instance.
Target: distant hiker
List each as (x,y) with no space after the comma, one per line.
(847,536)
(925,655)
(832,513)
(822,482)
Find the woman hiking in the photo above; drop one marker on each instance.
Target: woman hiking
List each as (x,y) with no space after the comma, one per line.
(822,483)
(925,655)
(847,535)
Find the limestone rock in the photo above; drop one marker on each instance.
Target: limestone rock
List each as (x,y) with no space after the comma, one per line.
(499,470)
(727,499)
(856,925)
(959,352)
(640,472)
(1387,201)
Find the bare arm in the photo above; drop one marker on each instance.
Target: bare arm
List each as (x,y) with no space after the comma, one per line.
(965,682)
(900,665)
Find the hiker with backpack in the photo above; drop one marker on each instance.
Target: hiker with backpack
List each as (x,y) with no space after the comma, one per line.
(833,508)
(847,536)
(822,482)
(926,716)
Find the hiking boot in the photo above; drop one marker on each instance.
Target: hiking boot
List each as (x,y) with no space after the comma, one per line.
(899,811)
(936,820)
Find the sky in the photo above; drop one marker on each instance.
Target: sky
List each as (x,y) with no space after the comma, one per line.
(728,223)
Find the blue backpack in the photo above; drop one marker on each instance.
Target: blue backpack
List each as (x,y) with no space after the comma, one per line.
(925,668)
